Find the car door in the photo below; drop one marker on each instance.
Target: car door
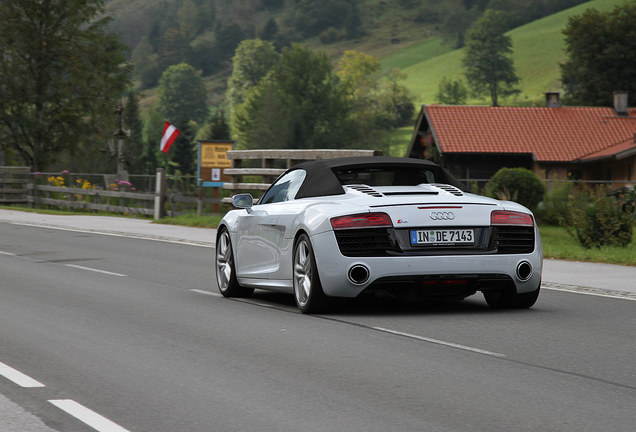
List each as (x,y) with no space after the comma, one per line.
(260,235)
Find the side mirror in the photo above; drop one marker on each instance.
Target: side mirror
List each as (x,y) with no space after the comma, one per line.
(244,201)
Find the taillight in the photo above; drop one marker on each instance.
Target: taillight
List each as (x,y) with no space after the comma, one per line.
(502,217)
(363,220)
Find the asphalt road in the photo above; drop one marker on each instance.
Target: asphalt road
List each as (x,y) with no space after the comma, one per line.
(132,329)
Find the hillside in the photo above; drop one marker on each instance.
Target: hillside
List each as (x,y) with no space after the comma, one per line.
(538,49)
(385,25)
(392,30)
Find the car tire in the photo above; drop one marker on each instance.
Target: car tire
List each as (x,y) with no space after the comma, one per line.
(310,298)
(225,269)
(509,299)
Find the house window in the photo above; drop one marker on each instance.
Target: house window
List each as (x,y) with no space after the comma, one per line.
(575,174)
(608,173)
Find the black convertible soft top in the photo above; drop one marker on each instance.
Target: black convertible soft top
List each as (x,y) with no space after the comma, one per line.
(321,179)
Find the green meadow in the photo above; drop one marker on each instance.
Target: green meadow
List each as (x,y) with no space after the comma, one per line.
(538,50)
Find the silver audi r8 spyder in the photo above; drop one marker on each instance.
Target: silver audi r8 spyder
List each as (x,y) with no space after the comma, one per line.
(336,228)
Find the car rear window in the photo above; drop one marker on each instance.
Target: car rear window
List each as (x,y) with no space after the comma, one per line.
(386,176)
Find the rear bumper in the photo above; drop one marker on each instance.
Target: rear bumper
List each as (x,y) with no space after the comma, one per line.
(472,272)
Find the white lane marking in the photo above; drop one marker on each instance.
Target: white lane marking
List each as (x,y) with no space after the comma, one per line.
(118,234)
(7,253)
(440,342)
(87,416)
(590,291)
(206,292)
(95,270)
(18,377)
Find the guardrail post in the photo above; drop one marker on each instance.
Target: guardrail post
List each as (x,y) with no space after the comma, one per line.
(71,198)
(122,200)
(96,200)
(34,191)
(160,194)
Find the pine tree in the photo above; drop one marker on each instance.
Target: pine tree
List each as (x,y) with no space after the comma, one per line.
(270,30)
(136,149)
(220,128)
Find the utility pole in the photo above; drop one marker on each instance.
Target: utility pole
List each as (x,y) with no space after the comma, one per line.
(121,135)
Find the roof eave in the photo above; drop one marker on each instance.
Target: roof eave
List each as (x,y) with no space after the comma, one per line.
(416,131)
(430,125)
(616,156)
(626,153)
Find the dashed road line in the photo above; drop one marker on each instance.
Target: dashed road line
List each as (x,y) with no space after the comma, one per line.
(440,342)
(210,293)
(95,270)
(80,412)
(75,266)
(90,417)
(18,377)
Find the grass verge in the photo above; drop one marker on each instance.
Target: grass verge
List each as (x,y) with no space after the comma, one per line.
(558,244)
(192,220)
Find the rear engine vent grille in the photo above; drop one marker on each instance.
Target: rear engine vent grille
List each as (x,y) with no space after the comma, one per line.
(366,189)
(511,239)
(449,189)
(412,193)
(364,241)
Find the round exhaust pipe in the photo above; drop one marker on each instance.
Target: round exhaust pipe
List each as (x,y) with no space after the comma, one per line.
(358,274)
(524,270)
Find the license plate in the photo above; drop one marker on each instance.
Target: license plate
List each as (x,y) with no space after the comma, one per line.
(445,237)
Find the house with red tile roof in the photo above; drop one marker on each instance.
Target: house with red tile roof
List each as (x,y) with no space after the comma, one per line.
(586,143)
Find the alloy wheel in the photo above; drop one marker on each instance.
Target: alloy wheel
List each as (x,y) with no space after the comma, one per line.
(302,273)
(223,261)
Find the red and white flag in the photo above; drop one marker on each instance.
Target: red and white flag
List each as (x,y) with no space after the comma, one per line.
(170,133)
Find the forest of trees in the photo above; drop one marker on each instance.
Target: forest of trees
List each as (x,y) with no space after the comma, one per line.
(281,92)
(205,33)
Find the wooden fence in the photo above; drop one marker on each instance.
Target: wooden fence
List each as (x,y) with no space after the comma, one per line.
(122,201)
(155,203)
(13,184)
(92,199)
(267,173)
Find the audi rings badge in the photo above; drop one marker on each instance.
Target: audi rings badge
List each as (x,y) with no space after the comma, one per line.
(442,215)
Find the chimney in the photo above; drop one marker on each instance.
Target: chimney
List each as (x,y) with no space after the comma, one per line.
(620,103)
(552,99)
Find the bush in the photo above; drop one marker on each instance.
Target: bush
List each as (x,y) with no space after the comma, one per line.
(518,184)
(553,210)
(602,222)
(627,199)
(330,35)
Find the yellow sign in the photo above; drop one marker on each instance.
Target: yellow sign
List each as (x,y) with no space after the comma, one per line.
(213,155)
